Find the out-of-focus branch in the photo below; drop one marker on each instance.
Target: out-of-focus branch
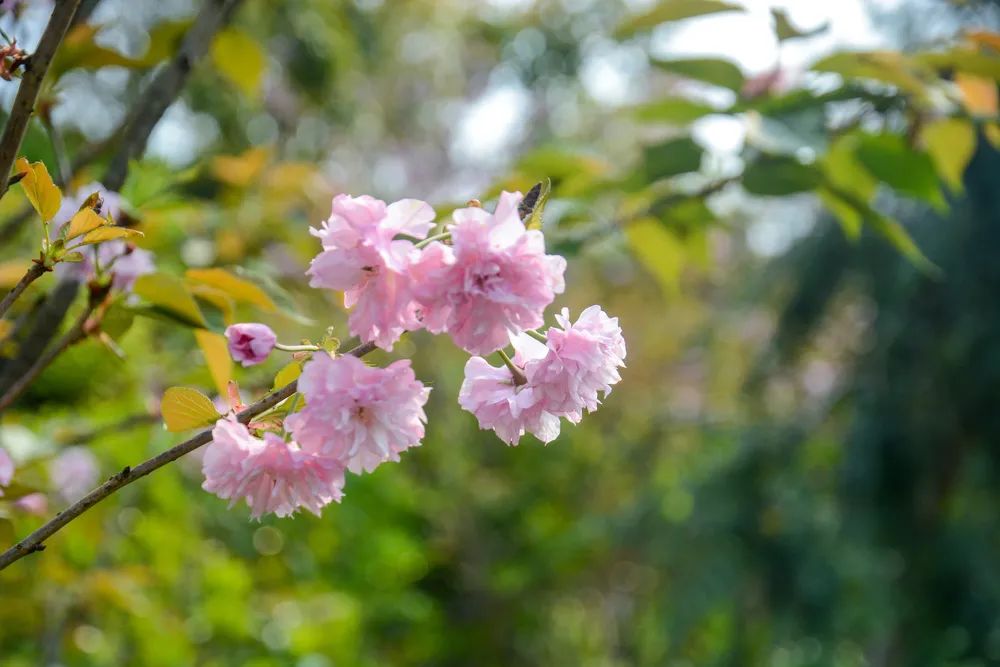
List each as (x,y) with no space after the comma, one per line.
(35,272)
(75,334)
(36,540)
(31,85)
(166,86)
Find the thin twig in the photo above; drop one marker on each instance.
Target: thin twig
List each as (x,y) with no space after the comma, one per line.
(76,333)
(31,85)
(35,541)
(35,272)
(166,86)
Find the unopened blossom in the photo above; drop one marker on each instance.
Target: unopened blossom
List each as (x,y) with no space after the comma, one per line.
(272,475)
(250,343)
(360,414)
(582,360)
(363,258)
(73,473)
(6,469)
(491,394)
(494,280)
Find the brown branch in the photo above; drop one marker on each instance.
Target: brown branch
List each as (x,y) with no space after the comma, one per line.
(36,540)
(76,333)
(166,86)
(31,85)
(35,272)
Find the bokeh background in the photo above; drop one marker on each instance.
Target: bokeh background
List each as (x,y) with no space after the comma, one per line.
(800,466)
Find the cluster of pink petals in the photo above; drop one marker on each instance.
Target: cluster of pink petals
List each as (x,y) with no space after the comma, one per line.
(273,476)
(359,414)
(561,378)
(493,281)
(363,258)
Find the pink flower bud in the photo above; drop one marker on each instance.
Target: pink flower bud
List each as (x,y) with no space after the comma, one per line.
(6,469)
(250,342)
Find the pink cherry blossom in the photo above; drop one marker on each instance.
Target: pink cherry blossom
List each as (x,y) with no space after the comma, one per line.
(73,473)
(494,280)
(250,342)
(491,395)
(363,258)
(272,475)
(582,359)
(6,469)
(359,414)
(36,504)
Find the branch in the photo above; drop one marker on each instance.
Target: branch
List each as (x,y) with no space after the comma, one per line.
(76,333)
(36,540)
(31,85)
(31,275)
(166,86)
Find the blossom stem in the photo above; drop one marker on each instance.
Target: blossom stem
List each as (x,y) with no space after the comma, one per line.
(430,239)
(519,378)
(297,348)
(33,273)
(36,540)
(537,335)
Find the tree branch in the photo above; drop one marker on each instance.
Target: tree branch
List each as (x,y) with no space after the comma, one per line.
(76,333)
(166,86)
(31,85)
(31,275)
(36,540)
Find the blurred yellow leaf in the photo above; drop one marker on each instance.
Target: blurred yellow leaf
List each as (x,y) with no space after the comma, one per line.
(290,372)
(216,297)
(216,352)
(951,143)
(984,38)
(12,271)
(978,93)
(171,294)
(43,194)
(84,221)
(659,250)
(6,326)
(184,408)
(108,233)
(240,170)
(240,59)
(238,288)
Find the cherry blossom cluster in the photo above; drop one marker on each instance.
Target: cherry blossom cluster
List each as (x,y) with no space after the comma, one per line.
(485,280)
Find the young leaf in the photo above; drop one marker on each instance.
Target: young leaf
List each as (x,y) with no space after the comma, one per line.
(43,194)
(534,220)
(238,288)
(784,29)
(184,408)
(240,59)
(951,143)
(672,10)
(216,352)
(82,222)
(108,233)
(290,372)
(715,71)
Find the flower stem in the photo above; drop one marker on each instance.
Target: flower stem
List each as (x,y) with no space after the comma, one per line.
(537,335)
(430,239)
(519,378)
(297,348)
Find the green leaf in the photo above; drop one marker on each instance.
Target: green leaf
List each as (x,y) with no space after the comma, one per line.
(951,143)
(672,157)
(216,351)
(672,10)
(784,29)
(659,250)
(240,59)
(888,158)
(170,294)
(534,220)
(888,67)
(117,321)
(43,194)
(184,408)
(843,172)
(715,71)
(968,61)
(673,110)
(779,175)
(287,374)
